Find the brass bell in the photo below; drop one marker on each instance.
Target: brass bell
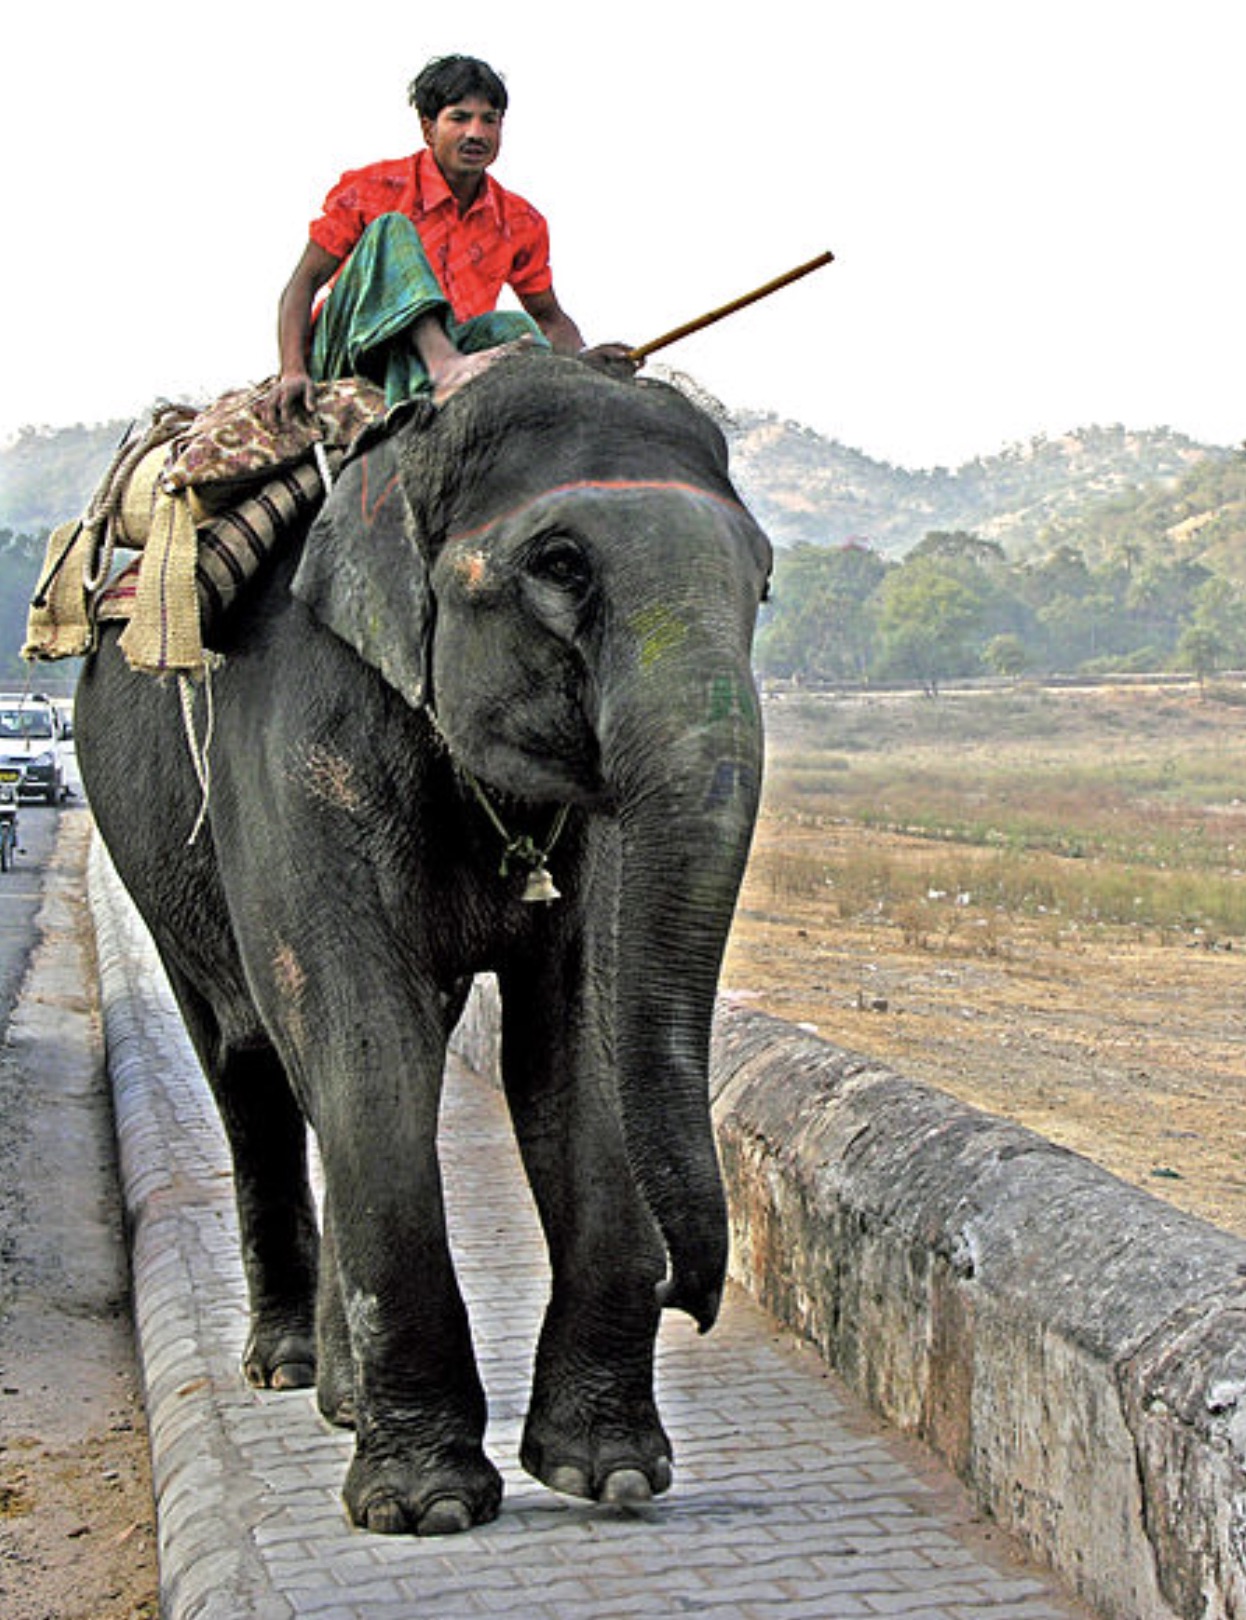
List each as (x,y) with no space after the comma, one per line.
(539,887)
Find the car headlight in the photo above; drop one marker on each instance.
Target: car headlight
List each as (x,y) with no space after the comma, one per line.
(44,759)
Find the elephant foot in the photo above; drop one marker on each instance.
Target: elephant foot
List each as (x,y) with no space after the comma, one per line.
(338,1410)
(619,1472)
(393,1497)
(335,1390)
(279,1359)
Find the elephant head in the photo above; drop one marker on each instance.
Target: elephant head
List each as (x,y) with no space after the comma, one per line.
(558,566)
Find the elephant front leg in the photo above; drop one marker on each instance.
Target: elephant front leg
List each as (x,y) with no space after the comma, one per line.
(414,1396)
(593,1428)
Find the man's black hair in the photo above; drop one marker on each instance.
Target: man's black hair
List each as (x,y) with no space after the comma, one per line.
(448,79)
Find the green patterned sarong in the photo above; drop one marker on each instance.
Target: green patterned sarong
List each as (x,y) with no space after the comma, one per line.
(385,286)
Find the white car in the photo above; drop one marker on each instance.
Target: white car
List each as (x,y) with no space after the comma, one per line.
(33,735)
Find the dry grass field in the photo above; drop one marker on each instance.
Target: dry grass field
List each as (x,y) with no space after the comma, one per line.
(1033,899)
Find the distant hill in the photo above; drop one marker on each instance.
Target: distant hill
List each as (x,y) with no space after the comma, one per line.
(807,488)
(1200,518)
(802,486)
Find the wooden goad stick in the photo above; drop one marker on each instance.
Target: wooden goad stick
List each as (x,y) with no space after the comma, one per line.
(689,327)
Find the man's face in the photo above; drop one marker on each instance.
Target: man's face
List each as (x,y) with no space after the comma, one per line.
(464,138)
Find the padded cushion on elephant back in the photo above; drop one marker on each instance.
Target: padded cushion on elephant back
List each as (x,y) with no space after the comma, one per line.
(230,449)
(232,546)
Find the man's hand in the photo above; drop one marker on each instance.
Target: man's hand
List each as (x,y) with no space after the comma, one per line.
(613,358)
(290,400)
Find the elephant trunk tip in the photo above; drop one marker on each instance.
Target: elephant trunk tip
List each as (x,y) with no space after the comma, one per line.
(702,1305)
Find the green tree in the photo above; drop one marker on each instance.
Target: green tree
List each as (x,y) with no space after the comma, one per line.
(1006,655)
(819,625)
(1161,598)
(1220,613)
(960,549)
(983,568)
(926,617)
(1200,650)
(21,558)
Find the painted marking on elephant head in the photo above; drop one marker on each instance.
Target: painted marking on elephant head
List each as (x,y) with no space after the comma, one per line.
(659,632)
(732,702)
(371,503)
(471,568)
(731,698)
(730,778)
(606,486)
(331,778)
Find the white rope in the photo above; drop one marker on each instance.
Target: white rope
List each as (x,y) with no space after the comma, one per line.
(322,465)
(199,754)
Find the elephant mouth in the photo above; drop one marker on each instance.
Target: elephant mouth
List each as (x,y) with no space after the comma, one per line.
(519,771)
(555,761)
(533,778)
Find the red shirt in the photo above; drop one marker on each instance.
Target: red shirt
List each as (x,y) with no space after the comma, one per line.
(500,241)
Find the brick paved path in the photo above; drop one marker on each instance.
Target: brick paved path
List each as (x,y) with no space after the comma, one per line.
(788,1501)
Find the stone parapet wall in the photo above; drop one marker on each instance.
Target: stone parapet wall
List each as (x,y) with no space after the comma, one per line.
(1072,1346)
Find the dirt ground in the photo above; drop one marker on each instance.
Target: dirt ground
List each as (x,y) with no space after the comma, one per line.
(77,1526)
(1108,1041)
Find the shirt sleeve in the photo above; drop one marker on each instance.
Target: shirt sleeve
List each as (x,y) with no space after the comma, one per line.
(358,197)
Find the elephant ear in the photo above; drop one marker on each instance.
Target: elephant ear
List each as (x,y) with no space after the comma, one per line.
(363,575)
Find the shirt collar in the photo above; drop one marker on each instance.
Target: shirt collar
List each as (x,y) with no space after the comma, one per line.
(434,193)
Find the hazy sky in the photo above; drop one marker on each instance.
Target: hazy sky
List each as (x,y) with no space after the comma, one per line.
(1036,209)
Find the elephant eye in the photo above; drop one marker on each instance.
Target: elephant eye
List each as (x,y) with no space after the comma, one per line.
(559,560)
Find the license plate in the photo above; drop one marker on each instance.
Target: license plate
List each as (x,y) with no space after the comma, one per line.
(8,774)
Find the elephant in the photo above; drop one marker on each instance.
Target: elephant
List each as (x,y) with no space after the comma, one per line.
(509,655)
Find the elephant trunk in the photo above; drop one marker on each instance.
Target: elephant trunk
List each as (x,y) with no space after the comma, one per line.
(688,800)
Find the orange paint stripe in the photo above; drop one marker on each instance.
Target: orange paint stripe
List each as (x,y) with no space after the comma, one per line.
(615,486)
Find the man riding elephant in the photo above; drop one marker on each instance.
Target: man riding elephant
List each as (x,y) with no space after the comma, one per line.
(417,251)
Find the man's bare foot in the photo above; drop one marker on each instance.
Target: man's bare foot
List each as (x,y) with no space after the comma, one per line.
(469,366)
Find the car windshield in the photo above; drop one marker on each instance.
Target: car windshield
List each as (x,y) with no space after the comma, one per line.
(23,723)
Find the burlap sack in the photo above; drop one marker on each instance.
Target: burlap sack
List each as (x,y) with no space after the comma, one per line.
(164,635)
(58,624)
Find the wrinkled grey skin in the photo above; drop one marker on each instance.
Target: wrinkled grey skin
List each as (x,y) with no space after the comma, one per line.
(559,563)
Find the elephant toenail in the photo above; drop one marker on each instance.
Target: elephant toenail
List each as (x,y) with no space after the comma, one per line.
(569,1480)
(386,1518)
(294,1375)
(627,1487)
(447,1516)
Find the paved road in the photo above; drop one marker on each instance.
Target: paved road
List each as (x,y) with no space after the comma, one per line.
(789,1502)
(22,887)
(21,895)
